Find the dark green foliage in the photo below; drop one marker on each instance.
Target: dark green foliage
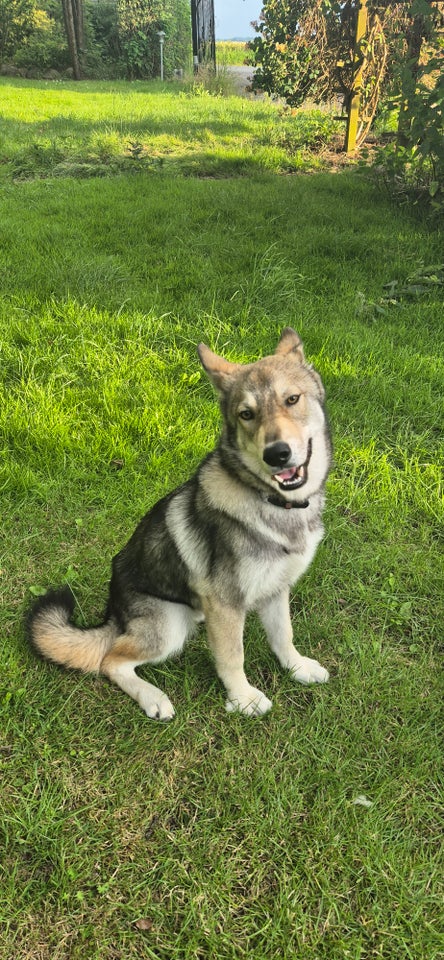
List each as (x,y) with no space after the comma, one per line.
(284,66)
(415,162)
(104,24)
(120,36)
(45,46)
(138,24)
(304,48)
(16,23)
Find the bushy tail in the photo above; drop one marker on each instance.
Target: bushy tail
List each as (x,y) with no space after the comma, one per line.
(55,638)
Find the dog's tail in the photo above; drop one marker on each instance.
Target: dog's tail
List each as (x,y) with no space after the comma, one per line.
(55,638)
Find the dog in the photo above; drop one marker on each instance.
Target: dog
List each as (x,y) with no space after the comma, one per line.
(233,538)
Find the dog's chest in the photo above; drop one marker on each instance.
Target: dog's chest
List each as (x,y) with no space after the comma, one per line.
(264,573)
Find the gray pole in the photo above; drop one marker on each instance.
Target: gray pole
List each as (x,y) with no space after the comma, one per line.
(161,35)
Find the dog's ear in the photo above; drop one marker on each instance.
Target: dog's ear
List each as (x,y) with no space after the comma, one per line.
(220,371)
(290,342)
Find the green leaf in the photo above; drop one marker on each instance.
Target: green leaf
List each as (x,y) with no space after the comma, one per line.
(37,591)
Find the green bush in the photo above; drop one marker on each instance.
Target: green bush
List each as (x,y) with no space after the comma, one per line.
(45,46)
(104,27)
(287,64)
(16,22)
(415,160)
(121,37)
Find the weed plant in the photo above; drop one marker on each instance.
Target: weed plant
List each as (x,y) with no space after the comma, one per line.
(313,833)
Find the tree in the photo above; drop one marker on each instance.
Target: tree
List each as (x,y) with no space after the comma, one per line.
(306,48)
(422,58)
(416,158)
(73,19)
(16,23)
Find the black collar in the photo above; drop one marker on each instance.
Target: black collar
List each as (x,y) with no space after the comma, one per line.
(287,504)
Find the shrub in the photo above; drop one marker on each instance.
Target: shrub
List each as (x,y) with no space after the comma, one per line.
(416,159)
(45,46)
(16,22)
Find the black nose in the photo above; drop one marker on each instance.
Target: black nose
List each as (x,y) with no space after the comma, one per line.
(277,454)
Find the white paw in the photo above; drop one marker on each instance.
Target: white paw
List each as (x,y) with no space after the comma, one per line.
(252,703)
(160,709)
(309,671)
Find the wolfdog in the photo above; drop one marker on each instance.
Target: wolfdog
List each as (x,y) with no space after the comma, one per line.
(231,539)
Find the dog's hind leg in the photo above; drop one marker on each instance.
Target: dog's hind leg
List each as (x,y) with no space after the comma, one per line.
(120,666)
(225,637)
(275,616)
(151,638)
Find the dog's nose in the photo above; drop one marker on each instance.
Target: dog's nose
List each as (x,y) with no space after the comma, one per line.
(277,454)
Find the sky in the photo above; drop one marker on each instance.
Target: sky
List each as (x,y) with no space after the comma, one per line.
(233,18)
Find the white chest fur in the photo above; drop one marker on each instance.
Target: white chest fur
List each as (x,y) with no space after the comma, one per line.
(261,576)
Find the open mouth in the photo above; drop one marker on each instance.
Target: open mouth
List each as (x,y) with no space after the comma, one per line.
(293,477)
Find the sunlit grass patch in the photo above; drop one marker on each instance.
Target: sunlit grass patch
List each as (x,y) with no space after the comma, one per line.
(102,129)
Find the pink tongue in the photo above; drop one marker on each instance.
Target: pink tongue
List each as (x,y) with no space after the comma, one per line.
(286,474)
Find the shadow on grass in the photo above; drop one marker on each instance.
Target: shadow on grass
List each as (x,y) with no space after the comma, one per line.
(197,135)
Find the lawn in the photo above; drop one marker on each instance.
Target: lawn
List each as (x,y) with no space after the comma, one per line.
(313,833)
(47,129)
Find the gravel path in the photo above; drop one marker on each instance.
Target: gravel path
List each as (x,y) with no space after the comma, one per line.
(242,77)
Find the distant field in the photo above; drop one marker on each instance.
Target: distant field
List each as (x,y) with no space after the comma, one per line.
(231,53)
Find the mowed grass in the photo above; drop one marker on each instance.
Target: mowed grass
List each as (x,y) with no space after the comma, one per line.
(217,836)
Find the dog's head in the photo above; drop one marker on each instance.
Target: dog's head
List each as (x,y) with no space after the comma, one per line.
(274,416)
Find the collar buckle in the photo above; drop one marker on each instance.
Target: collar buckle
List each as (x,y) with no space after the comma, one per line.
(287,504)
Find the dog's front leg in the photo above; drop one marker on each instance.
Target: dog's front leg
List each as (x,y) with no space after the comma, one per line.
(225,627)
(275,616)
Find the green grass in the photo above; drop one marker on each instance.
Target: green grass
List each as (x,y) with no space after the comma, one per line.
(218,837)
(100,129)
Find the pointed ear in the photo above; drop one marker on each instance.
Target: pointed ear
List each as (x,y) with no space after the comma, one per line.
(290,342)
(220,371)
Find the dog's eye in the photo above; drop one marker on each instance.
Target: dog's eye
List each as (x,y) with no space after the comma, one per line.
(293,399)
(246,414)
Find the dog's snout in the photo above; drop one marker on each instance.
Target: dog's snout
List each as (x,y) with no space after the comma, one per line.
(277,454)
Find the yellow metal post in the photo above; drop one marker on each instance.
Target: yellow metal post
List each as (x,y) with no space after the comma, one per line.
(355,98)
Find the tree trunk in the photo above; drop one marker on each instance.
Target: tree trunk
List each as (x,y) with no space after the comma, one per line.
(77,8)
(71,35)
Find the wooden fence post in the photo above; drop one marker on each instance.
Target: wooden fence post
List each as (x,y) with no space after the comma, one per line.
(355,98)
